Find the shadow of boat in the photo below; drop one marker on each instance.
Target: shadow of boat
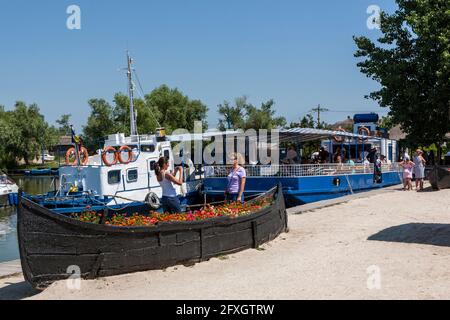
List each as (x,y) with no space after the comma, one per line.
(416,233)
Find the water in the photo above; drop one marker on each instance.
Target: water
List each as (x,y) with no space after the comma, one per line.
(8,216)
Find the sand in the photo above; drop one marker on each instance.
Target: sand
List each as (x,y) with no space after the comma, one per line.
(393,245)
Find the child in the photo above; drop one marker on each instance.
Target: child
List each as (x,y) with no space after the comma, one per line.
(408,167)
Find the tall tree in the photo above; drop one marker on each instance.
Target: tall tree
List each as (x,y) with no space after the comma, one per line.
(175,110)
(263,117)
(411,61)
(100,124)
(147,119)
(24,133)
(64,125)
(244,115)
(306,122)
(233,116)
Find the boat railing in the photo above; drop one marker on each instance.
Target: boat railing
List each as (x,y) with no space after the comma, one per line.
(298,170)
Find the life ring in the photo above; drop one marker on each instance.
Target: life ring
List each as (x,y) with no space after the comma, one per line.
(72,152)
(130,154)
(339,139)
(153,201)
(363,131)
(105,159)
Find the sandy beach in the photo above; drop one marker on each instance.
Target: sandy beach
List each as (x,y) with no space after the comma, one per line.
(388,245)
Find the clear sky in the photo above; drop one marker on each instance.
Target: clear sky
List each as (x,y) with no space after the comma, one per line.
(300,53)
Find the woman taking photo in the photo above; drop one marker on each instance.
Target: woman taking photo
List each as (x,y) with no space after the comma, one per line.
(236,180)
(170,201)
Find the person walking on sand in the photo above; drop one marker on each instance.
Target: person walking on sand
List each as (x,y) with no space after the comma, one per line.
(236,180)
(169,201)
(419,169)
(408,167)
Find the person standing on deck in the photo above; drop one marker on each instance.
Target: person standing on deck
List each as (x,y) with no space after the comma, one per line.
(236,180)
(419,169)
(170,201)
(324,155)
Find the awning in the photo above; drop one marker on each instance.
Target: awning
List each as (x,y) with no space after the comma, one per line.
(310,134)
(291,135)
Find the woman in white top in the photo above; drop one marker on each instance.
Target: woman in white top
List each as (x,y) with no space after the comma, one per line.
(419,169)
(170,201)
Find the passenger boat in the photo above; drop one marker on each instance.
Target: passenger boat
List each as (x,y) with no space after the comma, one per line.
(439,177)
(8,189)
(53,245)
(307,183)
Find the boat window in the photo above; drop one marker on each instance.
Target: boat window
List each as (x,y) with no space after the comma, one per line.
(152,165)
(114,177)
(167,154)
(148,148)
(132,175)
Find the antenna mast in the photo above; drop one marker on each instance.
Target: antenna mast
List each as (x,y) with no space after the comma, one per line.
(133,125)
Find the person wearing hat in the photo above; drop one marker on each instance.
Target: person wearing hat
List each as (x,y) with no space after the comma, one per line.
(419,169)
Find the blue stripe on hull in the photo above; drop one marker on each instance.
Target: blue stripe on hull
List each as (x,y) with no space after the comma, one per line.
(304,190)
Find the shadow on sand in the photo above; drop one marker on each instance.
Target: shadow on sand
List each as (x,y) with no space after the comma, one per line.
(17,291)
(418,233)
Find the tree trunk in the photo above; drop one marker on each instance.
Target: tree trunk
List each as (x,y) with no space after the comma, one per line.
(439,154)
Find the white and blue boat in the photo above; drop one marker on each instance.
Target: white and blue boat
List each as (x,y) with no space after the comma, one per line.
(307,183)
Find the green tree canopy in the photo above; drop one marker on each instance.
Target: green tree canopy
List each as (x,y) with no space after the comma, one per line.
(175,110)
(100,124)
(64,125)
(244,115)
(164,106)
(411,61)
(24,133)
(306,122)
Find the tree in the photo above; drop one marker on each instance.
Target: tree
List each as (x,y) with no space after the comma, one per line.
(411,61)
(24,133)
(175,110)
(147,119)
(306,122)
(165,107)
(263,117)
(64,125)
(100,124)
(243,115)
(233,116)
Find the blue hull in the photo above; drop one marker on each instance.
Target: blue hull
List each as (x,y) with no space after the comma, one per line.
(303,190)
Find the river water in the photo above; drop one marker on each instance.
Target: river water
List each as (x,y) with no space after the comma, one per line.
(8,216)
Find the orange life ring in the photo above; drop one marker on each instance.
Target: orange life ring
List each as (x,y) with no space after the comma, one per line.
(339,139)
(130,154)
(361,132)
(83,152)
(105,153)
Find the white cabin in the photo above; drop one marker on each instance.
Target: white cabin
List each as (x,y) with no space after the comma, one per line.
(126,182)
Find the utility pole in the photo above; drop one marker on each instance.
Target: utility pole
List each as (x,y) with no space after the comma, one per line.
(319,109)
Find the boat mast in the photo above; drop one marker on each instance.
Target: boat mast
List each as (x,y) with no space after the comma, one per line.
(133,125)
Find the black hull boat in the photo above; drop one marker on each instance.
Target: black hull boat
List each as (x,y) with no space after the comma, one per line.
(52,245)
(439,177)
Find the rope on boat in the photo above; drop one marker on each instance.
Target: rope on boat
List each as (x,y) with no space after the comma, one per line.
(253,197)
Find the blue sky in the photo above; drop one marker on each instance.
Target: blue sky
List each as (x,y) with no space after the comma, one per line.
(299,53)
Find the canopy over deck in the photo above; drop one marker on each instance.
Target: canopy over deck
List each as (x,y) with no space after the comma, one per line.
(309,134)
(291,135)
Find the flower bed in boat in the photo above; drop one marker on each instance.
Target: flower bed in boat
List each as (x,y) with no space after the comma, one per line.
(232,210)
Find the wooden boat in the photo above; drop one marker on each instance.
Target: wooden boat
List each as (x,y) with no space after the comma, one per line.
(53,245)
(439,177)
